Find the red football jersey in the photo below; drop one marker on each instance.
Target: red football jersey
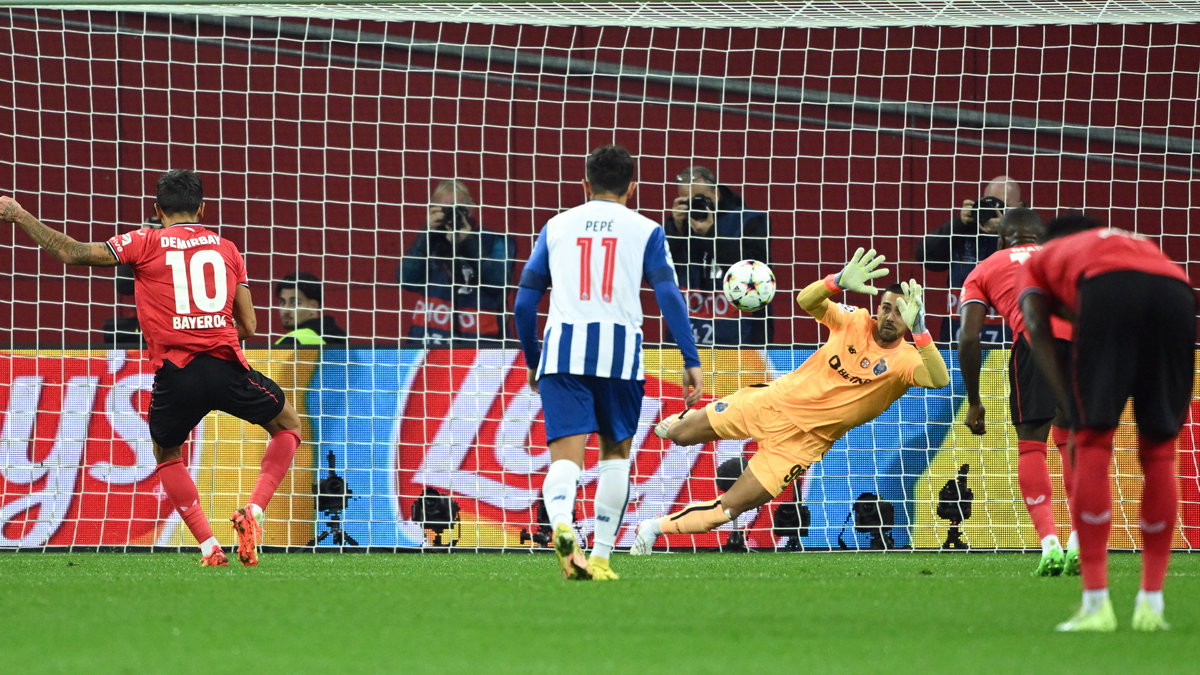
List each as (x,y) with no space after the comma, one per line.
(185,277)
(1066,261)
(994,282)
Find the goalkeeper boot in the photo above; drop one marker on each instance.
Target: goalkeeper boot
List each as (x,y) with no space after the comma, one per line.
(600,569)
(1052,563)
(1103,620)
(1148,619)
(643,542)
(1071,567)
(663,427)
(215,559)
(249,536)
(570,558)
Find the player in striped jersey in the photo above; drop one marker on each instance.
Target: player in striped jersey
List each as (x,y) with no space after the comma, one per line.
(590,372)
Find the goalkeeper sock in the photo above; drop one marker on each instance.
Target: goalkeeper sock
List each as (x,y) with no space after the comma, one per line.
(1034,480)
(181,491)
(558,491)
(1062,440)
(1160,506)
(1091,504)
(696,518)
(612,496)
(275,462)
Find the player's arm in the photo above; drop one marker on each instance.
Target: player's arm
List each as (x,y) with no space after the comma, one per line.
(932,373)
(660,274)
(855,276)
(970,360)
(243,313)
(535,279)
(64,248)
(1036,311)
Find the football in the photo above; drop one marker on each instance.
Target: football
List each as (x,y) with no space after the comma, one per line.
(749,285)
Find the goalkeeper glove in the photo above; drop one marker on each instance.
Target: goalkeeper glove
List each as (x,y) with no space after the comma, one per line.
(912,305)
(860,271)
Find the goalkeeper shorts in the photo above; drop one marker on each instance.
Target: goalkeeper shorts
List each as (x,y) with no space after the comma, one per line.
(784,450)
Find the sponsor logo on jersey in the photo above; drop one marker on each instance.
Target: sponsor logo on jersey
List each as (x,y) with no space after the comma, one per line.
(835,363)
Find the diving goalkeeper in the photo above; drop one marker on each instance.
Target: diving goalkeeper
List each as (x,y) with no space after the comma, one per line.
(857,374)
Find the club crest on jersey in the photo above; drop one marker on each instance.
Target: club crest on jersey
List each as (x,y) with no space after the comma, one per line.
(880,368)
(720,406)
(864,363)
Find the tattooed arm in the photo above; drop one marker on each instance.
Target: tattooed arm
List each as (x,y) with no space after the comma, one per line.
(61,246)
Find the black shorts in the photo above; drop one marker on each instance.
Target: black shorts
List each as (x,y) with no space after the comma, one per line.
(1031,400)
(183,396)
(1135,335)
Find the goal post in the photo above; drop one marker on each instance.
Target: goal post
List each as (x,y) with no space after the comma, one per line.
(324,133)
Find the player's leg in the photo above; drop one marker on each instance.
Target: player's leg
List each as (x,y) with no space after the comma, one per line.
(256,398)
(171,420)
(1063,438)
(569,411)
(618,409)
(1033,478)
(1161,398)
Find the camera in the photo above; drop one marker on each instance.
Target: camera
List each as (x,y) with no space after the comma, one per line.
(954,505)
(453,217)
(987,208)
(700,207)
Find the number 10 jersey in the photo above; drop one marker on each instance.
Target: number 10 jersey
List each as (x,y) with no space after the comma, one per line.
(185,278)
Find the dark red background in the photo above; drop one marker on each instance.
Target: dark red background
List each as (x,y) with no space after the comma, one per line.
(326,164)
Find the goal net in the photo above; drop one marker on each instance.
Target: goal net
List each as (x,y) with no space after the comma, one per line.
(324,133)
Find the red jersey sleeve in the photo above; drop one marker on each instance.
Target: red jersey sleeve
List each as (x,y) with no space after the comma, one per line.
(129,248)
(972,290)
(237,264)
(1031,279)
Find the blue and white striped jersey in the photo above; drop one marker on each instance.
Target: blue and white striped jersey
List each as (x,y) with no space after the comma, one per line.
(595,257)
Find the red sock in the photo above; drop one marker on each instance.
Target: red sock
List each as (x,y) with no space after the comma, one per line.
(1062,439)
(1091,504)
(275,463)
(1034,479)
(1160,505)
(181,492)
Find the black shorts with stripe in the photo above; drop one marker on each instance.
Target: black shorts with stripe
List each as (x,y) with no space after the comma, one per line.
(183,396)
(1135,336)
(1030,397)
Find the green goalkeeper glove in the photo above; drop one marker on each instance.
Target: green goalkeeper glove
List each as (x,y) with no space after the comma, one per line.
(912,305)
(860,271)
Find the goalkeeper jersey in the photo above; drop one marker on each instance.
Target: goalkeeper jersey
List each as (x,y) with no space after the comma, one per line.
(850,380)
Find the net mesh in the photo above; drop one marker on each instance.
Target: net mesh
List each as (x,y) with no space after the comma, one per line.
(323,131)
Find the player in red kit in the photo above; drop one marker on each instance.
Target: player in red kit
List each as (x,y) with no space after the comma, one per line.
(194,304)
(1134,315)
(1031,400)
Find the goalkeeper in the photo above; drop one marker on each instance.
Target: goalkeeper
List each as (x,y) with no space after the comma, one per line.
(857,374)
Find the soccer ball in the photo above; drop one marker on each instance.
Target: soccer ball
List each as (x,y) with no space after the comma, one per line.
(749,285)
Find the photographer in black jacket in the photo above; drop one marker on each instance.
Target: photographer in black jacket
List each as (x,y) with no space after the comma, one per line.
(709,229)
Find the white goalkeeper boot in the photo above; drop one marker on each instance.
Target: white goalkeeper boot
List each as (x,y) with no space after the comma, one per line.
(647,533)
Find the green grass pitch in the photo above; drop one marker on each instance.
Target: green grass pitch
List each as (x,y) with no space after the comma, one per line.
(807,612)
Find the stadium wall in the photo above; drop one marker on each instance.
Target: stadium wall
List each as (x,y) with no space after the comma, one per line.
(77,465)
(320,155)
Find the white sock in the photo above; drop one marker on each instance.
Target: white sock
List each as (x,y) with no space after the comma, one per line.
(612,496)
(209,545)
(1073,541)
(1155,598)
(558,490)
(257,512)
(1049,542)
(1094,600)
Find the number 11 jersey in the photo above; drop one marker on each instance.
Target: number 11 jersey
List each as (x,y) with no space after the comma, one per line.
(185,278)
(595,257)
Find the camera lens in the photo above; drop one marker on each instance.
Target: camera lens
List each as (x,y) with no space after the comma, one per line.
(700,207)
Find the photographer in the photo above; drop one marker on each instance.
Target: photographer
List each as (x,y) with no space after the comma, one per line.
(969,237)
(456,274)
(708,230)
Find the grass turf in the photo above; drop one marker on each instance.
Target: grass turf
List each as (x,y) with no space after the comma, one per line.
(899,612)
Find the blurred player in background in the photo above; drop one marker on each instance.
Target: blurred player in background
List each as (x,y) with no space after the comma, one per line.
(857,374)
(194,305)
(1134,315)
(1031,399)
(589,374)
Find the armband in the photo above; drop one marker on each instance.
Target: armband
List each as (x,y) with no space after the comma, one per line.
(831,284)
(923,339)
